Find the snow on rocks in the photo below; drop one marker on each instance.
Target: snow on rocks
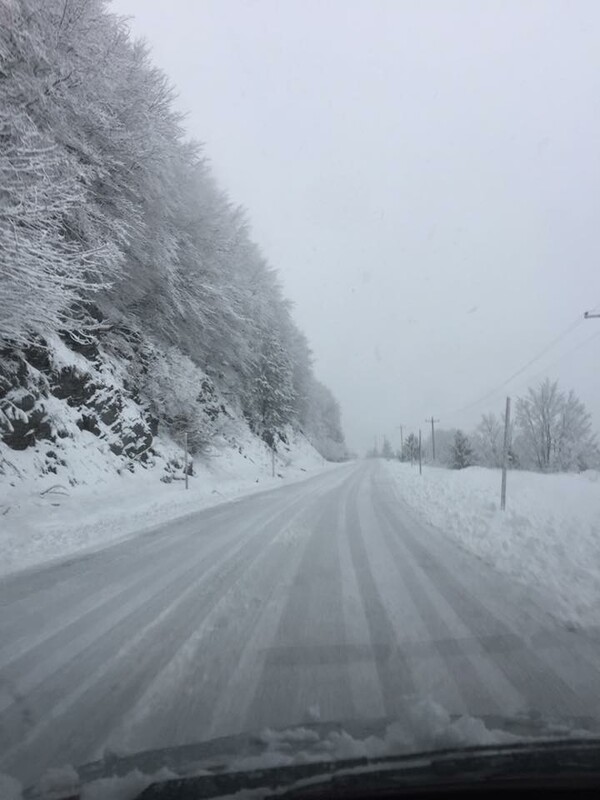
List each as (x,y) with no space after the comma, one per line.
(49,517)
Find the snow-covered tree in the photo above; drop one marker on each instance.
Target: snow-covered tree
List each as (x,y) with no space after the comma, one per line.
(410,450)
(107,212)
(461,454)
(555,430)
(44,275)
(488,441)
(576,444)
(302,377)
(272,390)
(48,268)
(444,440)
(386,449)
(183,398)
(324,428)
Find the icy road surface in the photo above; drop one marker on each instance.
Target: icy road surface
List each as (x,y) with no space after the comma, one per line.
(322,599)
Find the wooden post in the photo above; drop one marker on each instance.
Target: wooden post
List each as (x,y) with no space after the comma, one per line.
(433,421)
(420,464)
(185,438)
(272,462)
(505,454)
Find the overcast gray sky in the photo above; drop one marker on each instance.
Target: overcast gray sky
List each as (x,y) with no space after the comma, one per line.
(425,176)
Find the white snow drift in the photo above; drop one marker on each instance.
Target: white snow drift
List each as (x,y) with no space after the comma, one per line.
(46,517)
(548,537)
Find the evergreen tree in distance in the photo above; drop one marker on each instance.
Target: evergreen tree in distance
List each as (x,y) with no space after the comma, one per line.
(461,454)
(410,451)
(386,450)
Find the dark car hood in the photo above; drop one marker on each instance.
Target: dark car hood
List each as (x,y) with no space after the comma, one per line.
(424,728)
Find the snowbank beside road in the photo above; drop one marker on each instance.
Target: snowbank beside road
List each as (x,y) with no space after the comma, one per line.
(548,537)
(47,518)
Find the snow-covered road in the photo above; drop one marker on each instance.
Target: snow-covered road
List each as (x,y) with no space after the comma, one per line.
(323,599)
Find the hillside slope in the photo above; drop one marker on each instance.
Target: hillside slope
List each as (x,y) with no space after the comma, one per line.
(85,461)
(135,309)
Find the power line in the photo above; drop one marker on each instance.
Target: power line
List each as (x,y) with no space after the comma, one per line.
(575,324)
(560,358)
(557,360)
(543,352)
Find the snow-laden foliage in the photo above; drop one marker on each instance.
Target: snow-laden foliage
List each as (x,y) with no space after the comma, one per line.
(550,431)
(444,442)
(488,441)
(184,399)
(323,426)
(410,449)
(461,453)
(386,448)
(554,430)
(111,221)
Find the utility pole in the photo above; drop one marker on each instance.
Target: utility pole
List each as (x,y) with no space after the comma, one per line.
(505,454)
(401,429)
(420,464)
(433,421)
(186,458)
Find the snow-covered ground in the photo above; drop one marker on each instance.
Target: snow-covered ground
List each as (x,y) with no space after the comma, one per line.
(548,537)
(326,601)
(45,517)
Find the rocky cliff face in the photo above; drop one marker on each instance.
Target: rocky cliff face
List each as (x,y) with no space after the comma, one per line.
(67,389)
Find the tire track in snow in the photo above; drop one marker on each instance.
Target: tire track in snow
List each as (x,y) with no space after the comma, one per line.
(365,685)
(457,664)
(78,701)
(44,652)
(305,668)
(113,572)
(248,687)
(533,679)
(393,669)
(94,580)
(573,654)
(202,667)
